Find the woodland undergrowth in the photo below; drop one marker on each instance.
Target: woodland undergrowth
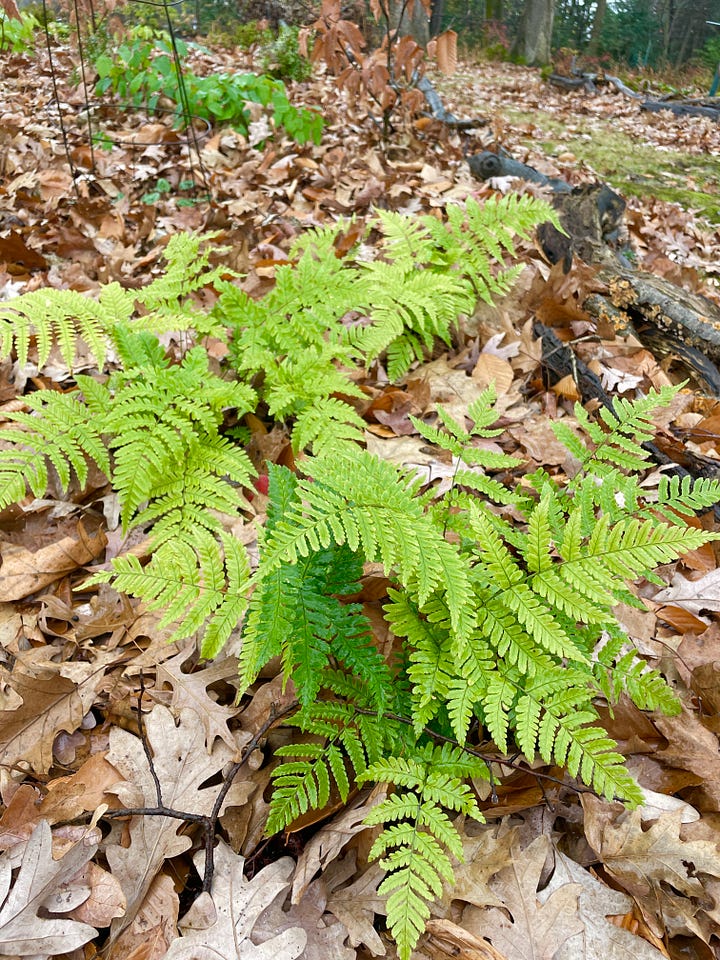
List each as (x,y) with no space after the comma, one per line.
(502,587)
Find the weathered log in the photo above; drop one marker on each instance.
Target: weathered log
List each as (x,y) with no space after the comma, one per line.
(681,109)
(572,83)
(688,317)
(591,216)
(486,165)
(439,112)
(622,87)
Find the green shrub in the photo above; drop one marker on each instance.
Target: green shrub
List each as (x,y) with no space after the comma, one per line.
(18,36)
(281,56)
(502,590)
(142,71)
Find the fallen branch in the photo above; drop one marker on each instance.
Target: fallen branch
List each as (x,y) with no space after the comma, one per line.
(438,111)
(681,109)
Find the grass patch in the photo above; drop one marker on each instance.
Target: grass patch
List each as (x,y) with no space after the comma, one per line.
(633,168)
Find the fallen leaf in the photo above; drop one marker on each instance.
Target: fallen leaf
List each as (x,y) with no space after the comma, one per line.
(191,690)
(601,939)
(46,885)
(182,765)
(653,865)
(51,703)
(693,595)
(26,571)
(219,925)
(528,927)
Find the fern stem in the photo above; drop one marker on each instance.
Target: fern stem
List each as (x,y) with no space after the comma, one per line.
(487,758)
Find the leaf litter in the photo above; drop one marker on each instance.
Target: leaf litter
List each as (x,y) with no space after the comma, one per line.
(102,721)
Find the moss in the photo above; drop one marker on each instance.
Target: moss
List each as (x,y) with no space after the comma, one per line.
(632,167)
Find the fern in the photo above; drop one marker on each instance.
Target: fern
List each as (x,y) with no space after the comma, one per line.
(501,591)
(412,850)
(296,613)
(63,318)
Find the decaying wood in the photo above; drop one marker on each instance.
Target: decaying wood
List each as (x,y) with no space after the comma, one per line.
(591,216)
(590,82)
(486,165)
(438,111)
(684,316)
(682,109)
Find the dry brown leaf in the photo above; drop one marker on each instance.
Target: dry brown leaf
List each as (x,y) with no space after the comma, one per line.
(106,900)
(528,927)
(487,851)
(355,907)
(83,792)
(26,571)
(327,843)
(191,690)
(655,865)
(325,935)
(51,703)
(46,885)
(461,943)
(693,595)
(493,369)
(155,925)
(446,52)
(181,764)
(601,939)
(220,924)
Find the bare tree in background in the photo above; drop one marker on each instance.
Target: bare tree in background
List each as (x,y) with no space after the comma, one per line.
(533,39)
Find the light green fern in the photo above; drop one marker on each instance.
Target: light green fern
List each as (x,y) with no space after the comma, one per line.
(63,318)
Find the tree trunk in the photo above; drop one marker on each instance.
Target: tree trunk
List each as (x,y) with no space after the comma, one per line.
(598,19)
(413,22)
(438,8)
(532,43)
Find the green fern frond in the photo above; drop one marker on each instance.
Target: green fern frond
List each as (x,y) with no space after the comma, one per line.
(626,428)
(325,424)
(367,504)
(201,587)
(63,317)
(296,612)
(58,432)
(412,850)
(686,496)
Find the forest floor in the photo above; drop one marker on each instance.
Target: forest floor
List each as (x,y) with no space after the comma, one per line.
(555,872)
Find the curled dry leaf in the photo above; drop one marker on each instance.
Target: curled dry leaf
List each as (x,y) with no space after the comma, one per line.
(51,703)
(655,866)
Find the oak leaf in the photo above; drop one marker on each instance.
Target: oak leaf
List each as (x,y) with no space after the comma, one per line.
(664,873)
(181,764)
(601,939)
(219,925)
(191,690)
(51,703)
(46,885)
(529,927)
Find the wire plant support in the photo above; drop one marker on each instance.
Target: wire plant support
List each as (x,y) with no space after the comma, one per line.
(86,23)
